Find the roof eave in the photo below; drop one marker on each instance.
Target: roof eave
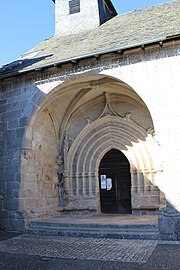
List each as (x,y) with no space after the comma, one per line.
(95,54)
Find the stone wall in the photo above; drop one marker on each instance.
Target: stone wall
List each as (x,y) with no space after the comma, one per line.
(151,75)
(17,103)
(39,192)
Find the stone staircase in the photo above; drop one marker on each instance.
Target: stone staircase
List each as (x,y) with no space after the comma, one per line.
(77,227)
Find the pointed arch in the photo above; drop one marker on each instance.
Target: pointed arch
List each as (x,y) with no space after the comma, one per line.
(93,142)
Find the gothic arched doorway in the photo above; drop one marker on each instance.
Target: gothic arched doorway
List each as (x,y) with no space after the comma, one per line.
(97,113)
(115,183)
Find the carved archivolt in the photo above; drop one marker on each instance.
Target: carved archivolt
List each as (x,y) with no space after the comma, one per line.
(125,135)
(106,133)
(108,130)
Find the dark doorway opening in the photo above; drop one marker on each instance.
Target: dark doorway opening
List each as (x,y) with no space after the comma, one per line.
(115,183)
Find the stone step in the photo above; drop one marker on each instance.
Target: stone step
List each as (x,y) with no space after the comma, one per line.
(117,234)
(93,225)
(118,231)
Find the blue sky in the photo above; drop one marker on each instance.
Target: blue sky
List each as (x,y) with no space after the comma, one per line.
(23,24)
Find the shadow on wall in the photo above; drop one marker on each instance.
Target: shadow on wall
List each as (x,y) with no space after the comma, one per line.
(17,104)
(169,223)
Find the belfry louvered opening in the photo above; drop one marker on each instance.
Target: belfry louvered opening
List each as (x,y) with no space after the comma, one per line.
(74,6)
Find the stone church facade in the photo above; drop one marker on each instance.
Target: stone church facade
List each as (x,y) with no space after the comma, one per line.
(104,84)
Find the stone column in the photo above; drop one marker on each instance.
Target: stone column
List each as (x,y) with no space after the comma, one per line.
(133,181)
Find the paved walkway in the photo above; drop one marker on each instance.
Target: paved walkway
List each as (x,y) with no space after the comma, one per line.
(82,248)
(61,253)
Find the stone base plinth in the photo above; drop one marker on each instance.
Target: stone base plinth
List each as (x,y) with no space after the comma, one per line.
(169,224)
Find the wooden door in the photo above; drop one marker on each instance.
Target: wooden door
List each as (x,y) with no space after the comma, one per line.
(115,198)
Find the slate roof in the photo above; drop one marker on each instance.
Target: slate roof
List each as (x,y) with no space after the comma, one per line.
(127,30)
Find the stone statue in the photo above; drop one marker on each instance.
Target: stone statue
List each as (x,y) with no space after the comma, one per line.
(60,173)
(66,142)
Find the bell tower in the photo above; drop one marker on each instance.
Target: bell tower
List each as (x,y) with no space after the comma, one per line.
(75,16)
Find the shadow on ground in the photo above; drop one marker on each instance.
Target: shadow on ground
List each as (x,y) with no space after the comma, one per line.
(7,235)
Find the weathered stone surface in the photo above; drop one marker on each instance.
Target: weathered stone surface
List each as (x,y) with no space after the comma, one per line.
(13,123)
(15,225)
(11,204)
(11,115)
(23,121)
(4,214)
(169,223)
